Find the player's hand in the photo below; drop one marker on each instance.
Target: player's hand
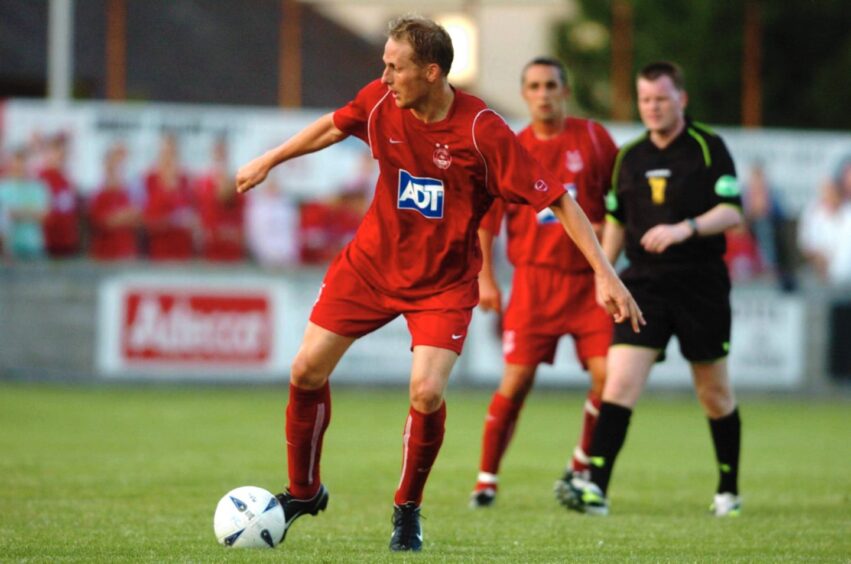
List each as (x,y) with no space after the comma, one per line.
(490,297)
(660,237)
(250,175)
(616,299)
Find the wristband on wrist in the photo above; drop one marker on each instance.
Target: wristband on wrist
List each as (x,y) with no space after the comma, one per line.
(693,224)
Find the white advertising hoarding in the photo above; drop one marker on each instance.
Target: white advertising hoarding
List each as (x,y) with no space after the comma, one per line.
(249,327)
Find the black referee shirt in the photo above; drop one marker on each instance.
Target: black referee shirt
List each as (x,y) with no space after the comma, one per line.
(650,186)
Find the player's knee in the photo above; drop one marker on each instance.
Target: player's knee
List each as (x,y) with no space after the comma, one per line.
(622,391)
(306,374)
(516,389)
(426,396)
(598,382)
(717,399)
(517,382)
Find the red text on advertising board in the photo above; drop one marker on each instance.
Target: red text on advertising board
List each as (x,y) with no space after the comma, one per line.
(186,326)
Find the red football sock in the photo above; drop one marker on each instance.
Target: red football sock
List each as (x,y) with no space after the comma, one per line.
(421,442)
(589,421)
(308,414)
(499,428)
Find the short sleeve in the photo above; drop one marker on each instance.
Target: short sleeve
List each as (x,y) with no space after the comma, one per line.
(511,172)
(614,206)
(725,185)
(605,152)
(353,118)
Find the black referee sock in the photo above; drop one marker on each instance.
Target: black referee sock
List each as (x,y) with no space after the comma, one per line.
(727,437)
(609,435)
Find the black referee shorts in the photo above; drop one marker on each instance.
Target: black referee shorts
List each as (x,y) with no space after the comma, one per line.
(690,302)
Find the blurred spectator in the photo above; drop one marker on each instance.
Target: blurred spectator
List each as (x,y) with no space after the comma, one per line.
(114,218)
(839,269)
(222,211)
(25,203)
(328,226)
(766,220)
(742,255)
(270,219)
(169,216)
(821,224)
(62,224)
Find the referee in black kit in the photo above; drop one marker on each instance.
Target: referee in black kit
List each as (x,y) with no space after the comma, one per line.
(674,193)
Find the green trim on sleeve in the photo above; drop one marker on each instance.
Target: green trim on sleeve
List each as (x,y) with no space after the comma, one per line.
(612,219)
(611,201)
(727,186)
(707,158)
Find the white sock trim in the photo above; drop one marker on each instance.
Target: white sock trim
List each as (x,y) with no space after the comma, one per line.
(589,407)
(487,478)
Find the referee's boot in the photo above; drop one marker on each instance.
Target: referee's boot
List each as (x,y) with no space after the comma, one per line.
(295,508)
(726,505)
(579,494)
(407,532)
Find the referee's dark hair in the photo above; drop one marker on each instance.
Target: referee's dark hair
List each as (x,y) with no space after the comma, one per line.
(549,62)
(664,68)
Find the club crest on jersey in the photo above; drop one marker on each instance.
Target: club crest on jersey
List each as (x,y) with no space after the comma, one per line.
(421,194)
(441,156)
(573,161)
(658,180)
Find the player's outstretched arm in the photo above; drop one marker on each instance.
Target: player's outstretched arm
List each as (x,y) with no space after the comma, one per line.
(611,293)
(316,136)
(490,297)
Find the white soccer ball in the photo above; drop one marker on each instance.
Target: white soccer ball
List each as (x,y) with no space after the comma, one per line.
(249,517)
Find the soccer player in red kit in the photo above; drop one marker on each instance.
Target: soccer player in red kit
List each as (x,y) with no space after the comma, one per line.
(553,289)
(443,157)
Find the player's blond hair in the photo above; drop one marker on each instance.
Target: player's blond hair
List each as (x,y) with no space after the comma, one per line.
(430,41)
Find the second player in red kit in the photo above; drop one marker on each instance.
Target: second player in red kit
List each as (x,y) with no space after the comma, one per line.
(552,293)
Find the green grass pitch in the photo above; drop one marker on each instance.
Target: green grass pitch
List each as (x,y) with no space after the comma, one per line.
(129,474)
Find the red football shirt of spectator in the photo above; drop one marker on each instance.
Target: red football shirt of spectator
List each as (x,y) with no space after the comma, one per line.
(222,218)
(169,217)
(113,219)
(62,224)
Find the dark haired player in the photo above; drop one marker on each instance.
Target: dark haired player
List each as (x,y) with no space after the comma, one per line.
(552,293)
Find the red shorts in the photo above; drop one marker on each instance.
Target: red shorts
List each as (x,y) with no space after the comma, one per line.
(348,305)
(546,304)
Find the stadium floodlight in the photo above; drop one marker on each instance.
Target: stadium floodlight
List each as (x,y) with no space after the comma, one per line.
(465,41)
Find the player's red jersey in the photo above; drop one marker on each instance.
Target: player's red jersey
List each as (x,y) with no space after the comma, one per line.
(61,225)
(222,221)
(582,156)
(169,218)
(111,242)
(437,180)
